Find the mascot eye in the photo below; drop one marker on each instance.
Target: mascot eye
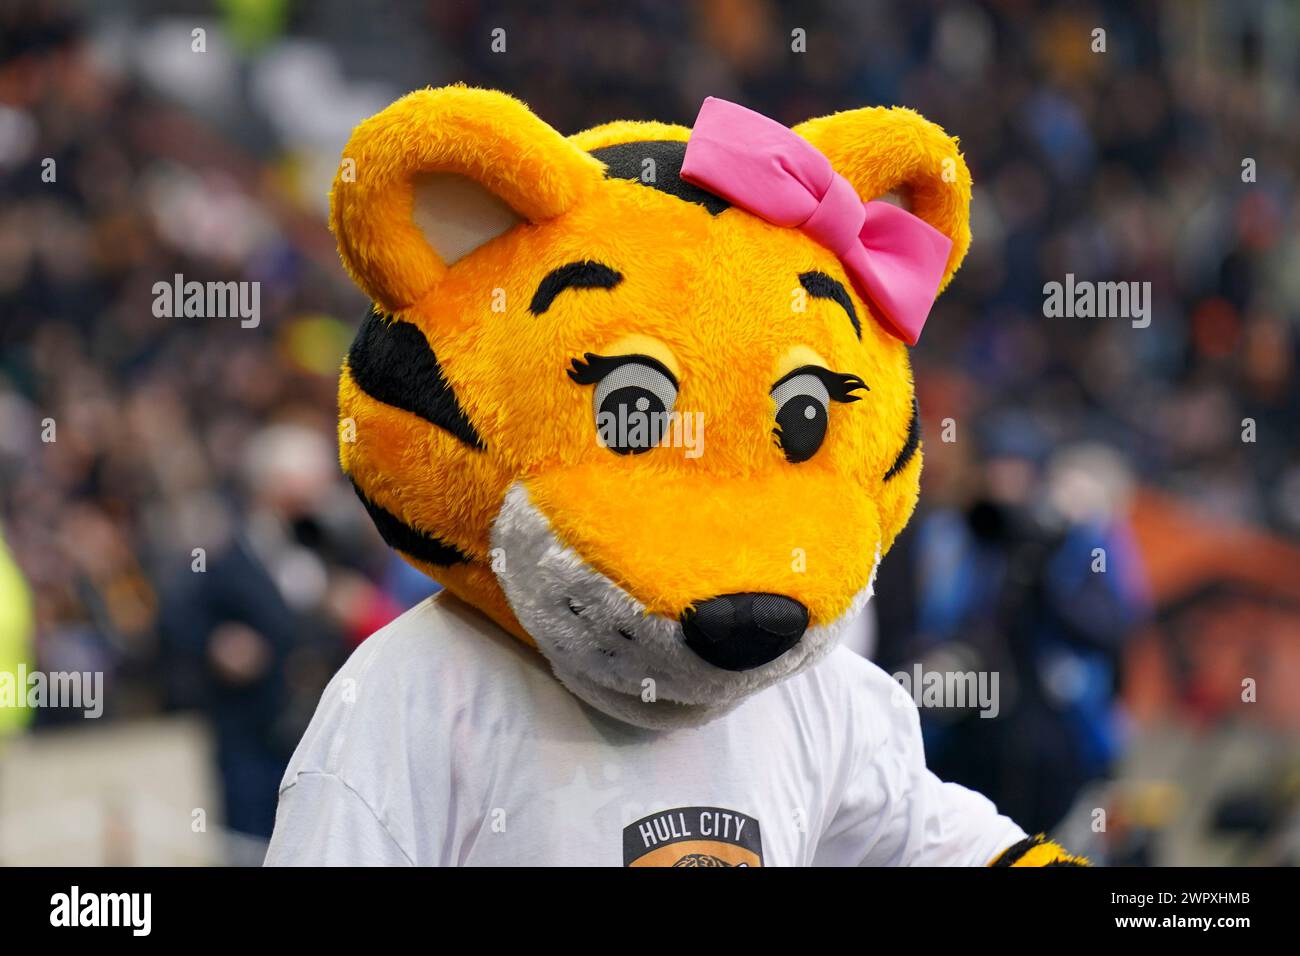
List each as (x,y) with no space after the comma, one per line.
(632,402)
(802,414)
(803,401)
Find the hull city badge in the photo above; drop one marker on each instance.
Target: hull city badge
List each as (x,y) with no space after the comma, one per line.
(693,836)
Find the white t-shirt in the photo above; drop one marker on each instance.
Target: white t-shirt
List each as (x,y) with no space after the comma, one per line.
(445,741)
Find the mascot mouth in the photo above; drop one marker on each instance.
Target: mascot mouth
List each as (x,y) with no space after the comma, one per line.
(604,646)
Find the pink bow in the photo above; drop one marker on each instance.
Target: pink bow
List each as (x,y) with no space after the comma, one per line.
(895,259)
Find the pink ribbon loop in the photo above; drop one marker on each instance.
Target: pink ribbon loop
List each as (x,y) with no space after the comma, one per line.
(895,259)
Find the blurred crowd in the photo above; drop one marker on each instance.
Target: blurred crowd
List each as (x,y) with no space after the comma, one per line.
(170,486)
(135,449)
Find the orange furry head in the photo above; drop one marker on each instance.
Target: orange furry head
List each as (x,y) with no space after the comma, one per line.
(647,432)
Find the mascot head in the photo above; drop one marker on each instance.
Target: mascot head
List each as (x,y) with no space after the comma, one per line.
(642,394)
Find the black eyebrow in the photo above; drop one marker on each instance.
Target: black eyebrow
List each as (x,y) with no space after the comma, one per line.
(577,275)
(822,286)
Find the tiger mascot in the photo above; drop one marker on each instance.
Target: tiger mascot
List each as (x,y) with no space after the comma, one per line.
(640,400)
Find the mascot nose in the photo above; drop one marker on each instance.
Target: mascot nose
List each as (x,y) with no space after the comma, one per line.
(740,631)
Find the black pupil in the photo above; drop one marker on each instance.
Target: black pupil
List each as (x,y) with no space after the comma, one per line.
(632,420)
(801,427)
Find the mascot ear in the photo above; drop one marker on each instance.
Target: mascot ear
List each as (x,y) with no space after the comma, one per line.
(897,155)
(438,174)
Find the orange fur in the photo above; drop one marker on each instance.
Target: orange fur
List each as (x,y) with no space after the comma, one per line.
(720,294)
(1042,852)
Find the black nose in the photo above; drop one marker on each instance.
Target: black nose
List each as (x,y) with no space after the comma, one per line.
(739,631)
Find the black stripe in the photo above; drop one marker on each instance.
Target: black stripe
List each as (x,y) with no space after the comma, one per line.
(627,161)
(913,442)
(390,360)
(576,275)
(822,286)
(401,536)
(1014,852)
